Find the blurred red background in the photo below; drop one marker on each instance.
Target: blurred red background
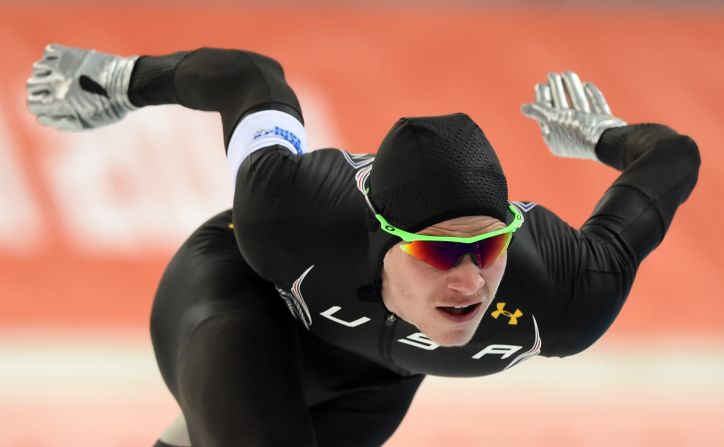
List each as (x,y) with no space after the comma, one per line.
(89,220)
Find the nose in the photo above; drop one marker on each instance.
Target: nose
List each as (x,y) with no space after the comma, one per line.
(466,277)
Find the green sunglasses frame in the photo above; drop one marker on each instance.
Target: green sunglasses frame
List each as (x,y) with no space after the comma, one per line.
(411,237)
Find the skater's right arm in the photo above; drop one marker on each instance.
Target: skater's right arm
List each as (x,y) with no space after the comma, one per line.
(78,89)
(234,83)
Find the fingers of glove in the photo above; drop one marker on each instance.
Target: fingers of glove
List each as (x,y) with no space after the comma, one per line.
(535,111)
(36,86)
(539,113)
(574,87)
(595,97)
(53,51)
(40,92)
(558,92)
(35,81)
(543,95)
(44,104)
(46,65)
(39,102)
(53,48)
(51,56)
(47,96)
(42,69)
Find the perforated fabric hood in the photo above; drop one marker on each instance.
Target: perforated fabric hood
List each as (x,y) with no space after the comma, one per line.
(427,170)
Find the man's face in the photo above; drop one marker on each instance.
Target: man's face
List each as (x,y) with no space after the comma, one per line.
(425,296)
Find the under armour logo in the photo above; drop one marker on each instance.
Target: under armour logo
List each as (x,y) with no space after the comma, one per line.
(512,315)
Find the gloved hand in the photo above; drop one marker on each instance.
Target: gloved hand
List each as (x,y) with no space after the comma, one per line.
(77,89)
(572,116)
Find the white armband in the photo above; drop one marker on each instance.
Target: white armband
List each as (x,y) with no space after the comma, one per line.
(264,129)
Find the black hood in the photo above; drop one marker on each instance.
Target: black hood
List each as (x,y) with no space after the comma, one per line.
(428,170)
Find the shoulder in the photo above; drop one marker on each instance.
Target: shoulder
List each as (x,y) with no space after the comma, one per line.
(291,208)
(277,170)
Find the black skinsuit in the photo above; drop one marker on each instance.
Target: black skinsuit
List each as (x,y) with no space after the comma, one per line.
(249,368)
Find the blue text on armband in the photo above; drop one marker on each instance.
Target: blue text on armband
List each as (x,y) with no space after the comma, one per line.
(283,133)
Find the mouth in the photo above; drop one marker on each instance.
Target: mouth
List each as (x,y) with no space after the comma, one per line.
(460,314)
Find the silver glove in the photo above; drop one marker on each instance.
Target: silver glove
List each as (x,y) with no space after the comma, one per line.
(572,116)
(77,89)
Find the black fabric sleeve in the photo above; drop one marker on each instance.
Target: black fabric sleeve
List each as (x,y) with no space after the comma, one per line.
(594,268)
(660,169)
(152,80)
(231,82)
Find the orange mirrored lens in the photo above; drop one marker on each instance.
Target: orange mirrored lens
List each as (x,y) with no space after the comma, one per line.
(445,255)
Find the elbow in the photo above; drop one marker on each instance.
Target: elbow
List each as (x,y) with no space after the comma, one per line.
(231,66)
(691,158)
(234,83)
(579,343)
(593,311)
(231,81)
(684,151)
(251,69)
(581,335)
(687,153)
(578,337)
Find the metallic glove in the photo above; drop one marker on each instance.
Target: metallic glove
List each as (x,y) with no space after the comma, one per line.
(572,116)
(76,89)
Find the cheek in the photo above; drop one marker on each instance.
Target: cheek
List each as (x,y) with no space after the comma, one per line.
(410,282)
(494,273)
(420,277)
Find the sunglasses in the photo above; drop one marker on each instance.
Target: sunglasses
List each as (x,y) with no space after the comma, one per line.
(444,252)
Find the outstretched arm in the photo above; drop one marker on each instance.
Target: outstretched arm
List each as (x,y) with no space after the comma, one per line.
(78,89)
(660,169)
(232,82)
(660,166)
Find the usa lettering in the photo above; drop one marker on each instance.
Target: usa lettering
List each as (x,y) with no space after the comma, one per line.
(329,313)
(421,341)
(504,350)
